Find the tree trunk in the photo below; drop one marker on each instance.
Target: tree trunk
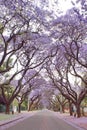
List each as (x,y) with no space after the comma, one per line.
(63,108)
(70,109)
(29,107)
(78,110)
(19,108)
(7,109)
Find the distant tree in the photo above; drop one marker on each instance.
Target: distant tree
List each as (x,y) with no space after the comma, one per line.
(33,101)
(59,101)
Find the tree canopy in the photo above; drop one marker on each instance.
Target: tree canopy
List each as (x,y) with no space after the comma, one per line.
(40,45)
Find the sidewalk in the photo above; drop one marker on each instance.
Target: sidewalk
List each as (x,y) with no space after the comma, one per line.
(81,122)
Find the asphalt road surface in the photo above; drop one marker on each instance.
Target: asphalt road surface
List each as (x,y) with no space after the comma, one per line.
(43,120)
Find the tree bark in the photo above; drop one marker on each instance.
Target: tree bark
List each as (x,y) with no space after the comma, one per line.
(63,108)
(83,114)
(29,107)
(70,108)
(7,109)
(19,108)
(78,110)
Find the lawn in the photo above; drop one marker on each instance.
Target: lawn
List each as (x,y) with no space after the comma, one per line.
(6,117)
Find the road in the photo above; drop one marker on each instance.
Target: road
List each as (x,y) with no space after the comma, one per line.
(43,120)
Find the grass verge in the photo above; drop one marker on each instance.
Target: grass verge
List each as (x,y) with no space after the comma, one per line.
(6,116)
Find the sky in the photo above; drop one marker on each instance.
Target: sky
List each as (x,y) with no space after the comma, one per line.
(58,7)
(63,5)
